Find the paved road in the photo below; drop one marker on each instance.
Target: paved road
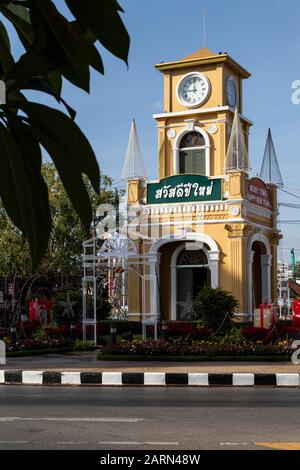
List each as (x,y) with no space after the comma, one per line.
(143,418)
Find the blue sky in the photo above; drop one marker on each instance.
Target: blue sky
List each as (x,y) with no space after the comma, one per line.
(264,36)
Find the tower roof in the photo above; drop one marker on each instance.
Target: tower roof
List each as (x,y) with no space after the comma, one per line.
(202,53)
(202,57)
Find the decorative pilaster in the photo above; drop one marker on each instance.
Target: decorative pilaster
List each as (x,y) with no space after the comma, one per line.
(237,234)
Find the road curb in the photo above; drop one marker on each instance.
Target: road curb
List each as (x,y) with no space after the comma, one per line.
(158,379)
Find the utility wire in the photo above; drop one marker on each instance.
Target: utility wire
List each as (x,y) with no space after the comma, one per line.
(288,192)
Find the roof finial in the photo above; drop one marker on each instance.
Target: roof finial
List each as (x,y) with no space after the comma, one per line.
(204,28)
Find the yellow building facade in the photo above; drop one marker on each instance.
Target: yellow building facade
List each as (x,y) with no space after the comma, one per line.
(201,223)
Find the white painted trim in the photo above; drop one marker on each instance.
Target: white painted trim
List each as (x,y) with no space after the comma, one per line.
(239,380)
(32,377)
(259,237)
(189,220)
(198,379)
(287,380)
(199,102)
(70,378)
(213,255)
(202,237)
(192,112)
(266,269)
(206,147)
(111,378)
(204,121)
(155,378)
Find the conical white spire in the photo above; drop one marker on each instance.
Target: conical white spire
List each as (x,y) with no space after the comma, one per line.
(237,155)
(270,171)
(134,163)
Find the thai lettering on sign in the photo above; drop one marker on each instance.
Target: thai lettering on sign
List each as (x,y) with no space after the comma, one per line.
(184,190)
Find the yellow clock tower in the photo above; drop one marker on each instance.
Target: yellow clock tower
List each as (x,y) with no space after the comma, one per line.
(204,221)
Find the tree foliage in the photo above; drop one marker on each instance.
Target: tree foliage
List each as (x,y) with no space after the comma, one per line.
(55,48)
(65,244)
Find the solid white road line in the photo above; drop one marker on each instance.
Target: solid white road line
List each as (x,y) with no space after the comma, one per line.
(150,443)
(234,444)
(129,443)
(14,442)
(9,419)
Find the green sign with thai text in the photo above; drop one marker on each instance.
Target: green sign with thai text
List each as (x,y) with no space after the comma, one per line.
(184,188)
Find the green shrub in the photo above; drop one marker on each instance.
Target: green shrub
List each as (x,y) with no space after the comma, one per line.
(215,308)
(80,345)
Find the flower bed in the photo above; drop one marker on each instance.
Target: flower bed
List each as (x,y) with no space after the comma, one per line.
(197,348)
(35,344)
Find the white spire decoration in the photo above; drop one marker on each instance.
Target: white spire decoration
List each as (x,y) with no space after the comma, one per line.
(270,171)
(134,163)
(237,155)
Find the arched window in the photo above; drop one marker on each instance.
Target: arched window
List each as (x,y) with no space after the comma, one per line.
(192,273)
(192,154)
(192,258)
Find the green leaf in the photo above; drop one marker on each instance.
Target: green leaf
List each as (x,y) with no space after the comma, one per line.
(95,59)
(26,67)
(103,19)
(19,17)
(55,81)
(22,193)
(67,135)
(39,84)
(5,36)
(69,174)
(72,54)
(6,59)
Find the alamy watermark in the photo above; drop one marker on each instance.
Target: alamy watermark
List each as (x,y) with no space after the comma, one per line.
(163,223)
(296,93)
(296,353)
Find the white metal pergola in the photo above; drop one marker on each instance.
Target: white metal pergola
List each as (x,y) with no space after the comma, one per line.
(116,252)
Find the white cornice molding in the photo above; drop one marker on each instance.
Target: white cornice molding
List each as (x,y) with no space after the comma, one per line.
(193,112)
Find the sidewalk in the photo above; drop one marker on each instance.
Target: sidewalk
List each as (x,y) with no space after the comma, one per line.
(87,362)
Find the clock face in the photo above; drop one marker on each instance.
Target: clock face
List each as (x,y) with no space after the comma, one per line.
(193,89)
(231,92)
